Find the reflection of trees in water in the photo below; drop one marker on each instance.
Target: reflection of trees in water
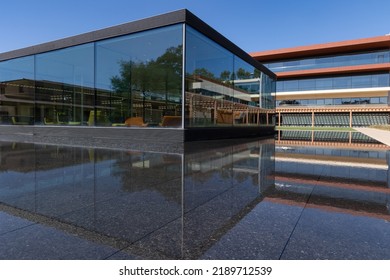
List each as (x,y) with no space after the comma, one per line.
(159,173)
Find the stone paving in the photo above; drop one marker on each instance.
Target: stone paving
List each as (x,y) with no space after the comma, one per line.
(216,201)
(378,134)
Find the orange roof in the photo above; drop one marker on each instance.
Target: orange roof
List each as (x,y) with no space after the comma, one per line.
(379,42)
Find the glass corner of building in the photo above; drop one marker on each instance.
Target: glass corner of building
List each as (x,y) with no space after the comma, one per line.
(171,77)
(222,89)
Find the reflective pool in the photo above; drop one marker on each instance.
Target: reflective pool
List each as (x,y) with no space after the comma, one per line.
(127,204)
(238,199)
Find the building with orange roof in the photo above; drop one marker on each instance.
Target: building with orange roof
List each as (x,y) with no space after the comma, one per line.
(342,84)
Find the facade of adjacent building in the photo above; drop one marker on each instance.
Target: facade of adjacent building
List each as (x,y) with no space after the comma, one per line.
(343,84)
(170,73)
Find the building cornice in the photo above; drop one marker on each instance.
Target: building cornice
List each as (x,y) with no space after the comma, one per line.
(366,44)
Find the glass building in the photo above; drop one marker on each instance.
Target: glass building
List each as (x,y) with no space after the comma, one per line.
(169,71)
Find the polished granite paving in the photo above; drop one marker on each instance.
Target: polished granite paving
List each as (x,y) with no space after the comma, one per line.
(244,199)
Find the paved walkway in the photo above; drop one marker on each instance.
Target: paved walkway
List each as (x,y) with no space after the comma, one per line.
(378,134)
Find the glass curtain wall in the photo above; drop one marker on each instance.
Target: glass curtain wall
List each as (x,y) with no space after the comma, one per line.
(131,80)
(139,79)
(64,82)
(343,82)
(17,91)
(136,80)
(220,88)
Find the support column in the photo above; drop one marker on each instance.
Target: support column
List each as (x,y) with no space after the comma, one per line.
(312,119)
(350,118)
(279,119)
(190,109)
(388,170)
(215,112)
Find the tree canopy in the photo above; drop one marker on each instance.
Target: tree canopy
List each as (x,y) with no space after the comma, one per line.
(160,75)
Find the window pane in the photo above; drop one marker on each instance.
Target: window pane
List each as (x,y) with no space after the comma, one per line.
(341,82)
(337,101)
(380,80)
(291,85)
(324,83)
(210,76)
(17,91)
(221,88)
(346,101)
(65,81)
(280,86)
(361,81)
(307,84)
(328,101)
(139,79)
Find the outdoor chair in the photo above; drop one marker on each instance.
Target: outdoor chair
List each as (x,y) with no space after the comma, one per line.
(171,121)
(132,121)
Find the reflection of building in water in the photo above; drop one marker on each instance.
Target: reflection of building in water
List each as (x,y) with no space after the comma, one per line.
(327,138)
(142,75)
(144,200)
(353,180)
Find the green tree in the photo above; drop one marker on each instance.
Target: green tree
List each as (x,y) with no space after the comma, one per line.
(203,72)
(160,75)
(225,75)
(157,78)
(242,74)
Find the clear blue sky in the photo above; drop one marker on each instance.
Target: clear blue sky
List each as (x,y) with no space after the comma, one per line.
(253,25)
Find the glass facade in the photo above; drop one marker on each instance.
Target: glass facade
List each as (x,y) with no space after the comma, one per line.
(139,76)
(64,81)
(132,80)
(221,88)
(382,56)
(340,82)
(17,91)
(334,101)
(136,80)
